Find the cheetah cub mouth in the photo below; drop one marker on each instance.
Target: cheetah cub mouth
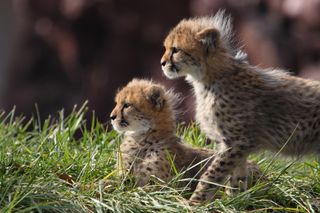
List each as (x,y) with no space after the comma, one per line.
(177,62)
(170,69)
(125,118)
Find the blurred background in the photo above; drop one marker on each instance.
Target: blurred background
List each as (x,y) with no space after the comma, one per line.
(58,53)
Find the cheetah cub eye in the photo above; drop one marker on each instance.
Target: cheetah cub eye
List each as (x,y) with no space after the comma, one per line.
(126,105)
(175,50)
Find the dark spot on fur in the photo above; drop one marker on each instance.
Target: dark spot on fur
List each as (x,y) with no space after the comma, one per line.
(219,179)
(149,169)
(243,179)
(223,105)
(230,163)
(250,146)
(245,126)
(220,126)
(228,143)
(224,170)
(222,163)
(232,106)
(235,138)
(243,147)
(217,170)
(314,126)
(149,142)
(225,100)
(239,154)
(228,119)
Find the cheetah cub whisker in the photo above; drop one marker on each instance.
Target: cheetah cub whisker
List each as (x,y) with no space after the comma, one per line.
(242,107)
(145,113)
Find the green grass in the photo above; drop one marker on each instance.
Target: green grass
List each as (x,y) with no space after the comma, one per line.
(67,165)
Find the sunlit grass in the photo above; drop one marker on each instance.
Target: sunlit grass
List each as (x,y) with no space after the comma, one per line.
(67,165)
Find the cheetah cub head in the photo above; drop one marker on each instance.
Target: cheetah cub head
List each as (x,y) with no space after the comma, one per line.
(142,106)
(196,45)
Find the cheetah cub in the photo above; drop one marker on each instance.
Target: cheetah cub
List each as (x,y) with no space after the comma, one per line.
(242,107)
(145,113)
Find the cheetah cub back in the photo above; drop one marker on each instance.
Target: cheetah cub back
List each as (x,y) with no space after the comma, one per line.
(145,114)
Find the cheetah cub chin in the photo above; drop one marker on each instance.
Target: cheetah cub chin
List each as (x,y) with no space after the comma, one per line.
(242,107)
(145,113)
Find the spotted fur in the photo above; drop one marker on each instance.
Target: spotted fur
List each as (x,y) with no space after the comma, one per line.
(148,147)
(241,107)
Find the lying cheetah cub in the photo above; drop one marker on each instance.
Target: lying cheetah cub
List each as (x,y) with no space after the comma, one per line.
(145,113)
(242,107)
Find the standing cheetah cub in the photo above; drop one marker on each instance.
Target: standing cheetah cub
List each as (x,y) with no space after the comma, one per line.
(145,113)
(242,107)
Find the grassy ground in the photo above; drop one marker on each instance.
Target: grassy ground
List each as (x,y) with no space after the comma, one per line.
(64,165)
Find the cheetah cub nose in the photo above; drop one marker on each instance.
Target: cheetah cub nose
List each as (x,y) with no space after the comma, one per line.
(163,63)
(112,117)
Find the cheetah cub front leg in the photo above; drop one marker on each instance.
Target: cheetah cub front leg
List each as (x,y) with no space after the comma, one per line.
(229,161)
(238,179)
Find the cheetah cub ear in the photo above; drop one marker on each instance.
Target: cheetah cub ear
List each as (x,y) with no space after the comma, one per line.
(209,38)
(155,95)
